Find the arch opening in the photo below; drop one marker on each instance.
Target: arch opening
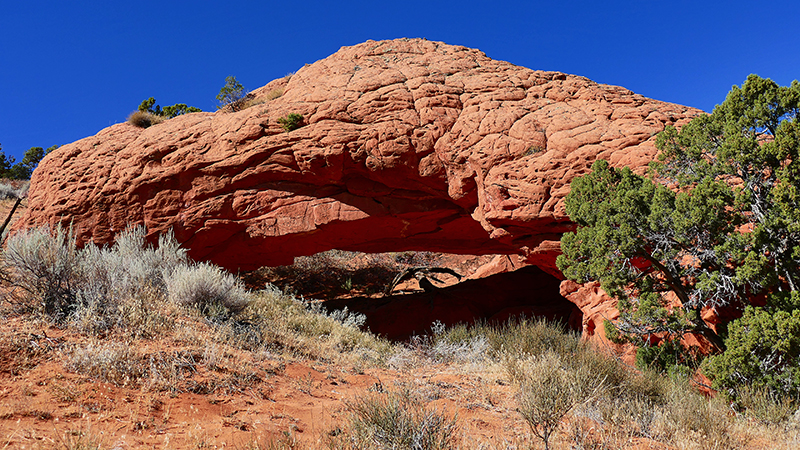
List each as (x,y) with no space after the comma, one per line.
(358,281)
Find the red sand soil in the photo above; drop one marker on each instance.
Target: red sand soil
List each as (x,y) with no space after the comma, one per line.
(297,399)
(297,402)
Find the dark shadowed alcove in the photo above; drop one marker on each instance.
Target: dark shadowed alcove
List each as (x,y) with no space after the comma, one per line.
(528,291)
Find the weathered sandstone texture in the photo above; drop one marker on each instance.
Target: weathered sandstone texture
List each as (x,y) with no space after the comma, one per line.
(406,145)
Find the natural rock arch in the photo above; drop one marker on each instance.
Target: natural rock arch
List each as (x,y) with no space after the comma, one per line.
(408,144)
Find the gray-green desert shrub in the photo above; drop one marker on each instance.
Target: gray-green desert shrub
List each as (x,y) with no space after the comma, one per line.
(96,288)
(208,288)
(549,388)
(46,265)
(8,192)
(398,420)
(123,285)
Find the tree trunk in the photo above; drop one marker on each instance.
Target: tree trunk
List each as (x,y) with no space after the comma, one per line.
(10,214)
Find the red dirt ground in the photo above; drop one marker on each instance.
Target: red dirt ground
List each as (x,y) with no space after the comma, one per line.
(293,402)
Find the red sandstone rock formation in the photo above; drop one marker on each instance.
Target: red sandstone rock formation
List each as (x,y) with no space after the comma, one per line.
(407,145)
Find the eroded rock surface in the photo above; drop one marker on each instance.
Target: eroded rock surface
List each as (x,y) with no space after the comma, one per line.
(406,145)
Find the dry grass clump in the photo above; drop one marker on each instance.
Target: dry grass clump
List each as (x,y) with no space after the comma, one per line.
(689,420)
(306,329)
(518,336)
(249,102)
(79,440)
(273,94)
(286,442)
(482,346)
(607,403)
(765,406)
(395,420)
(123,364)
(144,119)
(200,371)
(114,362)
(23,349)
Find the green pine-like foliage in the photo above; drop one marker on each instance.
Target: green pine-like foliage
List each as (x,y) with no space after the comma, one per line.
(167,112)
(291,122)
(22,170)
(231,94)
(714,225)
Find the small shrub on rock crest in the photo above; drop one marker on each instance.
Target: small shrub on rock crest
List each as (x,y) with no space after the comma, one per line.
(144,119)
(291,122)
(231,94)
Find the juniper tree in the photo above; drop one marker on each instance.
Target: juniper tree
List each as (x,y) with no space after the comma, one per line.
(22,170)
(715,224)
(231,94)
(168,112)
(650,247)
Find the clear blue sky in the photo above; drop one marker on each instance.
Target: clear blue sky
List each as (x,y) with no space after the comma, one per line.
(69,69)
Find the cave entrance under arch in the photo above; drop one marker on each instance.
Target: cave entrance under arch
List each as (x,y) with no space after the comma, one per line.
(357,280)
